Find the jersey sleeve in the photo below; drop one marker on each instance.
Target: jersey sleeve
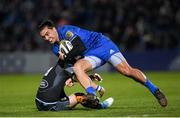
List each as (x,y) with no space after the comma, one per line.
(68,32)
(56,49)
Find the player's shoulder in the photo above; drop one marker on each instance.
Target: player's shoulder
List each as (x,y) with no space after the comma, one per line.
(68,31)
(67,28)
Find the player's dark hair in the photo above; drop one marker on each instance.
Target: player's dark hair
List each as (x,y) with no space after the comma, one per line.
(46,23)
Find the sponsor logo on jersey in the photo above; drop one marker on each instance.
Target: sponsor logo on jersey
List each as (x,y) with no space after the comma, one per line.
(43,84)
(69,34)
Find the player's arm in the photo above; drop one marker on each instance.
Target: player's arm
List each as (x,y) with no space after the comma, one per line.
(69,82)
(55,49)
(78,48)
(75,53)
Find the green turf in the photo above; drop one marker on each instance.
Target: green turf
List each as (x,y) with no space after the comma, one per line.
(17,94)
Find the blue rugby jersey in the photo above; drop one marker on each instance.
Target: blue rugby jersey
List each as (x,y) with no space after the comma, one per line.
(96,44)
(69,32)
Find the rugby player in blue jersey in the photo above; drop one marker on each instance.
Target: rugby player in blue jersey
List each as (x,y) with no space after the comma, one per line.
(91,50)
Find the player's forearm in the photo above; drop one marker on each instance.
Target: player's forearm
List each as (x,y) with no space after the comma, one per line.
(78,48)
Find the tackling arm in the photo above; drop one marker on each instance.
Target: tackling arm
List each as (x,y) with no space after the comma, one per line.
(76,52)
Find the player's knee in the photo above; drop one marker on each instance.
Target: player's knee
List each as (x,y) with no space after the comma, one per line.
(79,67)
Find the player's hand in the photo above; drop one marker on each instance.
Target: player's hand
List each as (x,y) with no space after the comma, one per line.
(69,82)
(97,77)
(62,56)
(65,47)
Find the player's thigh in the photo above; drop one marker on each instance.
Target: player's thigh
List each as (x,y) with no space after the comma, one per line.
(116,59)
(82,64)
(88,63)
(94,61)
(119,62)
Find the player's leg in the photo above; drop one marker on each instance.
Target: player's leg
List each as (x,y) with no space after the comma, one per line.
(124,68)
(66,104)
(91,78)
(70,82)
(98,88)
(119,62)
(87,100)
(76,98)
(113,55)
(81,67)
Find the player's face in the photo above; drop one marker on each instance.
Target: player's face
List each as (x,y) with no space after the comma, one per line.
(49,34)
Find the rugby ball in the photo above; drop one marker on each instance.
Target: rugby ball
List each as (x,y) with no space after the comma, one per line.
(65,46)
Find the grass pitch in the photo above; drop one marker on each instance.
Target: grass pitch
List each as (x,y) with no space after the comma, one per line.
(17,93)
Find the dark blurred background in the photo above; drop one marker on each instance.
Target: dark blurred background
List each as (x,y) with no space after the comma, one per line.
(134,25)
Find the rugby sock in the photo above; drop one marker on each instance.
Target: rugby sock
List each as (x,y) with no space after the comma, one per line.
(90,90)
(98,88)
(151,86)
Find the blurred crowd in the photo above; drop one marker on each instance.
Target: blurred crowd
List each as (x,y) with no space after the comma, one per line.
(134,25)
